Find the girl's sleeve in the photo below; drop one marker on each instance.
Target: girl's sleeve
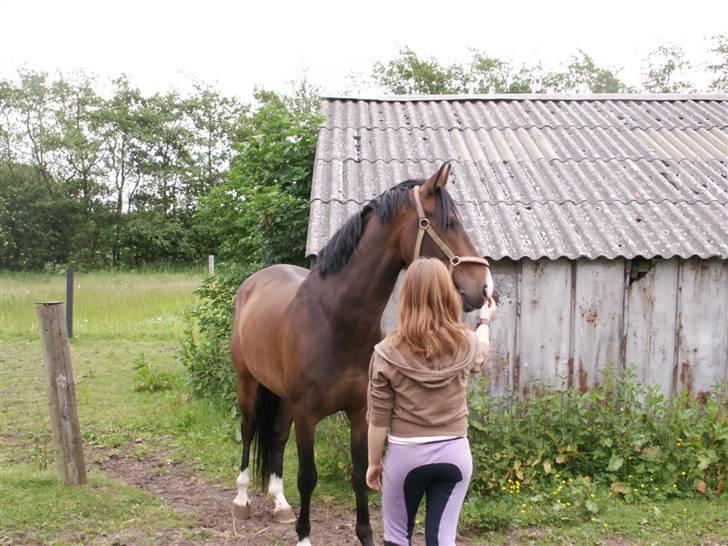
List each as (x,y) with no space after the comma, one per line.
(380,395)
(480,355)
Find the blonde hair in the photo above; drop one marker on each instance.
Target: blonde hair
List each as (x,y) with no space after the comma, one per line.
(430,310)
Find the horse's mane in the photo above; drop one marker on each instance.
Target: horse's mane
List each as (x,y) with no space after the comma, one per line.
(337,252)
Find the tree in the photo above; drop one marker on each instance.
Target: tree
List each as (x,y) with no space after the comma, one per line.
(261,212)
(665,68)
(719,67)
(216,121)
(79,147)
(582,75)
(34,225)
(410,74)
(493,75)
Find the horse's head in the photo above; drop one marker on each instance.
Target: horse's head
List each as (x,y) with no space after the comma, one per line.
(432,228)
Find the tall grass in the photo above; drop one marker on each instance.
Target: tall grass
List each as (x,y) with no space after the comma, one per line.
(131,305)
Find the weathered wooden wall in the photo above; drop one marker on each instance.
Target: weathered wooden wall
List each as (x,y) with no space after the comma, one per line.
(563,321)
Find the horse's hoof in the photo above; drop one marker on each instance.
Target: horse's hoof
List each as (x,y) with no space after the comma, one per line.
(284,515)
(241,511)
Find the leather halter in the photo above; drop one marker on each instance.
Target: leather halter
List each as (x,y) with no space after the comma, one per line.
(426,227)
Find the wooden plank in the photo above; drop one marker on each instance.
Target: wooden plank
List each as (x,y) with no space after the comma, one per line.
(703,334)
(61,391)
(502,329)
(544,323)
(389,317)
(650,325)
(596,322)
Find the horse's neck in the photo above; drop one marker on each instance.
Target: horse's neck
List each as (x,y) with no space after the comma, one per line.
(360,290)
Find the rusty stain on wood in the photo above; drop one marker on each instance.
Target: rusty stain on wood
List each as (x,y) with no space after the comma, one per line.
(583,379)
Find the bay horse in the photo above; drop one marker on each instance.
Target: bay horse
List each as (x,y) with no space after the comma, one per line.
(302,340)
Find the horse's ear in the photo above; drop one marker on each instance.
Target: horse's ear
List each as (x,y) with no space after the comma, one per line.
(437,180)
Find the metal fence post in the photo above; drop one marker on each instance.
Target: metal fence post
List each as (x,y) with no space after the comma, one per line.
(69,301)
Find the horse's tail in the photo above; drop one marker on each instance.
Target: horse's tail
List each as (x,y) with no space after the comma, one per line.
(267,407)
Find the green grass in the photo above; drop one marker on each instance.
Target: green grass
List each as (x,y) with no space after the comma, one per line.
(35,508)
(673,522)
(107,305)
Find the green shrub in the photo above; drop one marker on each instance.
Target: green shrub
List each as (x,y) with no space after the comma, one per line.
(205,350)
(151,379)
(626,439)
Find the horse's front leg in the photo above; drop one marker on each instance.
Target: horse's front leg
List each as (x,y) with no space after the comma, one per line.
(359,463)
(307,475)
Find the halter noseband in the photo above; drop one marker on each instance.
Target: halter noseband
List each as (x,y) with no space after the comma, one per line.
(426,227)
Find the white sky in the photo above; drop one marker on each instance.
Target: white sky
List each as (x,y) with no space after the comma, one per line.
(237,45)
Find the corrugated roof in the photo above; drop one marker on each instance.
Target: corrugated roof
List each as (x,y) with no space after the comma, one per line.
(540,176)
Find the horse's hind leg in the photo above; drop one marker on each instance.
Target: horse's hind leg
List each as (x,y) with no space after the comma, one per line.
(282,513)
(247,390)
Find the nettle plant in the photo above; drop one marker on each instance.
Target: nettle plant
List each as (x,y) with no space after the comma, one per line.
(622,437)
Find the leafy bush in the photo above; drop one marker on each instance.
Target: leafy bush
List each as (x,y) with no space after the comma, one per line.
(622,437)
(205,350)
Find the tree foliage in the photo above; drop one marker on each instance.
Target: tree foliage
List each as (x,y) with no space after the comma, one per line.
(411,74)
(117,179)
(665,70)
(257,217)
(719,65)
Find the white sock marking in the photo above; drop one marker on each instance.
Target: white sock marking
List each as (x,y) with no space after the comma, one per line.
(243,482)
(489,283)
(305,542)
(275,490)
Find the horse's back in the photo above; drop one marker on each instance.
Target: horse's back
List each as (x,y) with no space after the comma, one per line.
(260,305)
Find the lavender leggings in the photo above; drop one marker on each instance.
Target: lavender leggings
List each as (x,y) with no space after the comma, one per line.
(441,472)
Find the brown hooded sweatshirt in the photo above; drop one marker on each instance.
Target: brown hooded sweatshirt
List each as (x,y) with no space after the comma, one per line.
(416,397)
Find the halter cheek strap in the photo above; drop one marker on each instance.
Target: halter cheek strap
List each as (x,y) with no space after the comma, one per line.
(426,227)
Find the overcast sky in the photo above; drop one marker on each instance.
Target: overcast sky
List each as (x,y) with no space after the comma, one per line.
(237,45)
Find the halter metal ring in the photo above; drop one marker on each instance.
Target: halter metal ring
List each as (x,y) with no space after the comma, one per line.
(424,223)
(455,260)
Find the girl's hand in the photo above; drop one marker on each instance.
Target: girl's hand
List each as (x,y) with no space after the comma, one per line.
(374,476)
(488,310)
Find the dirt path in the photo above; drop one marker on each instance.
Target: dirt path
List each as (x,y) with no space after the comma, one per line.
(209,505)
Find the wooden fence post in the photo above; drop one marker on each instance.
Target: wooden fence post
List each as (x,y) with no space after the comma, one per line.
(61,391)
(211,265)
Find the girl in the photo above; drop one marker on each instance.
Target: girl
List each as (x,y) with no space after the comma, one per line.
(418,378)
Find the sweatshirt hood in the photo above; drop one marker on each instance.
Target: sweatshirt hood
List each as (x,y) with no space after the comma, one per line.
(433,373)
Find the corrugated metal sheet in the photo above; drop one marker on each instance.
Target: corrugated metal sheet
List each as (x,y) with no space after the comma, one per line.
(571,230)
(520,144)
(535,177)
(530,182)
(513,112)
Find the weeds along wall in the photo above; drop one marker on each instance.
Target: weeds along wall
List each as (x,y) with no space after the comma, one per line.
(562,322)
(622,437)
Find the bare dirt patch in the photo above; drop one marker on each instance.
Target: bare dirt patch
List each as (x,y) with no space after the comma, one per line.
(209,505)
